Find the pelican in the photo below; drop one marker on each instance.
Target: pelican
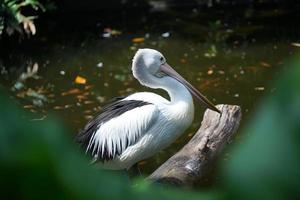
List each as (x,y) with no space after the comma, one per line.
(133,128)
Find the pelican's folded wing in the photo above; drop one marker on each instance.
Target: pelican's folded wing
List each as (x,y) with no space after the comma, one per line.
(120,124)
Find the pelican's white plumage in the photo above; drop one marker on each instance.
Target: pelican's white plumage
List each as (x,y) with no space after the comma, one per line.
(125,134)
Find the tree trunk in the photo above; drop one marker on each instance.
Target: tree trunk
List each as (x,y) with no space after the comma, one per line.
(190,165)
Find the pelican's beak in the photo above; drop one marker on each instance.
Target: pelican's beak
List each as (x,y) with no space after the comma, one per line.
(167,69)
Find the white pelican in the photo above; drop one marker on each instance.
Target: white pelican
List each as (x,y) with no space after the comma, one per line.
(135,127)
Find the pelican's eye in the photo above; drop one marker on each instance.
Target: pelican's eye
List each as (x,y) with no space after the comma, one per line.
(162,59)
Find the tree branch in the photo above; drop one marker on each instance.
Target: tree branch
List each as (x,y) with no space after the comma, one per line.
(188,166)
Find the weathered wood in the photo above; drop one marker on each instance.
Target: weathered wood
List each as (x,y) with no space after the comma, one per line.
(196,158)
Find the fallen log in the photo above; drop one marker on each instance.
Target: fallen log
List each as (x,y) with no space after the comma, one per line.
(195,160)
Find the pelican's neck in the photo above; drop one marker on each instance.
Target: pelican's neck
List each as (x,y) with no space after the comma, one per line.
(177,91)
(181,105)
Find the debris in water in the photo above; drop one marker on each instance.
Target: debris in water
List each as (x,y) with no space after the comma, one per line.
(28,106)
(62,107)
(88,87)
(38,102)
(138,40)
(166,34)
(32,110)
(236,95)
(221,72)
(51,95)
(81,97)
(87,111)
(120,77)
(18,86)
(106,35)
(58,107)
(88,117)
(265,64)
(100,64)
(132,48)
(108,32)
(88,102)
(39,119)
(32,93)
(211,52)
(101,99)
(210,72)
(71,91)
(68,106)
(80,80)
(259,88)
(295,44)
(115,32)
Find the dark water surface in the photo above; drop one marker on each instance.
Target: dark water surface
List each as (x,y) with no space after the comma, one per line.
(231,61)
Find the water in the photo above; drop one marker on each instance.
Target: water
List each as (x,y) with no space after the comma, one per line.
(236,69)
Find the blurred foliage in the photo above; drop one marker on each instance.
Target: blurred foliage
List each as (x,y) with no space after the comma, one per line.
(266,165)
(11,17)
(38,160)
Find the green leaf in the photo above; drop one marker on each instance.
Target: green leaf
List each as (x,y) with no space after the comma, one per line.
(265,165)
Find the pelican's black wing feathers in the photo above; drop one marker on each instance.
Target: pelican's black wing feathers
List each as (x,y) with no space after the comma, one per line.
(115,108)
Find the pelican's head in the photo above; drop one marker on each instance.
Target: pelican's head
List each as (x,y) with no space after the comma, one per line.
(149,64)
(147,61)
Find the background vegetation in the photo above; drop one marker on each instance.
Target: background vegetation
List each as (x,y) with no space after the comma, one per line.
(60,61)
(12,18)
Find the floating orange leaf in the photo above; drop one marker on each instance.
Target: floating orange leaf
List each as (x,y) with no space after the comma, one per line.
(138,39)
(80,80)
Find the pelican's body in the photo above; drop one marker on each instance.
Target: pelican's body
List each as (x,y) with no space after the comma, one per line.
(169,120)
(136,127)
